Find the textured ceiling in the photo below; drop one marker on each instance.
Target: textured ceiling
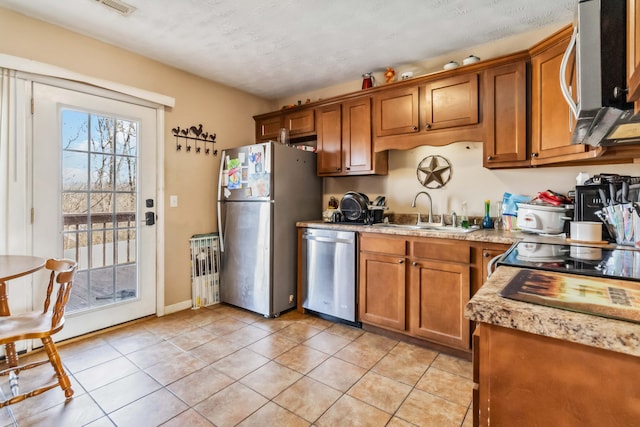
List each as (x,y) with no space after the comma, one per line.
(277,48)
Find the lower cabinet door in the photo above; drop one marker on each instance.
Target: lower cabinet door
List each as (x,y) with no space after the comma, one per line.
(382,294)
(438,293)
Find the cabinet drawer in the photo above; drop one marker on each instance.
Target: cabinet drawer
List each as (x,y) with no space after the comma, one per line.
(432,249)
(386,245)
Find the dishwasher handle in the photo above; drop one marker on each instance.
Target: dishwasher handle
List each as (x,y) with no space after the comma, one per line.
(326,239)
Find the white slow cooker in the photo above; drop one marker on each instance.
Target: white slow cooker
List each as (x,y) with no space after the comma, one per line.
(542,218)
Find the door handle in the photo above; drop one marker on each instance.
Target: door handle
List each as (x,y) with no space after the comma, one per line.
(149,218)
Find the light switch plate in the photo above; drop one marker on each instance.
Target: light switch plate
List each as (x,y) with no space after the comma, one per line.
(173,201)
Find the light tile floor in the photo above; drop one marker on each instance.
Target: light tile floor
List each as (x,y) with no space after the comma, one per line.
(224,366)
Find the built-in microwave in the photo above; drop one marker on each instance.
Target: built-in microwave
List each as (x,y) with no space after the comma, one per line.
(604,117)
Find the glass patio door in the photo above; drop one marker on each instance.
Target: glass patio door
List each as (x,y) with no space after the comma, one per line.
(94,186)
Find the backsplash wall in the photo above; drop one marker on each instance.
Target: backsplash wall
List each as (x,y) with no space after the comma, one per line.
(469,182)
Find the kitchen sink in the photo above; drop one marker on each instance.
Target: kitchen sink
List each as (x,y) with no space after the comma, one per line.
(427,227)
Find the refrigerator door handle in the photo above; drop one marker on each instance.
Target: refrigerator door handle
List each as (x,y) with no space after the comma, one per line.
(220,227)
(222,159)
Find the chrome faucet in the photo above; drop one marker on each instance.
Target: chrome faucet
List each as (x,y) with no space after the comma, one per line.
(413,205)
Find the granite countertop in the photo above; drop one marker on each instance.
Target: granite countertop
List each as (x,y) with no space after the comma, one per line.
(488,235)
(487,306)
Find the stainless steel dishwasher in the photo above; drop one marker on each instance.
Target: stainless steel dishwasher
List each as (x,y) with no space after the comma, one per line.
(329,279)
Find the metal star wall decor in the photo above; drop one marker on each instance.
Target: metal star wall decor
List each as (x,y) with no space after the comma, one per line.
(434,171)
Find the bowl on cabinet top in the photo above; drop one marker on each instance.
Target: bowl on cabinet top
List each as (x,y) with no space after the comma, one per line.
(471,59)
(451,65)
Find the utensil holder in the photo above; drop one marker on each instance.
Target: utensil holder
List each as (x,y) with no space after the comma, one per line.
(623,223)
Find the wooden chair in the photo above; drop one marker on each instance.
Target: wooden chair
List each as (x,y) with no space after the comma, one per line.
(40,324)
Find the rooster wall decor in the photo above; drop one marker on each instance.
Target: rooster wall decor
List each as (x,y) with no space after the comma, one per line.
(197,134)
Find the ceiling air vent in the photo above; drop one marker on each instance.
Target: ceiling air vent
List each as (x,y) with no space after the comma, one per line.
(118,6)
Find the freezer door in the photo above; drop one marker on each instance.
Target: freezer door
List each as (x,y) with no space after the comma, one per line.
(245,270)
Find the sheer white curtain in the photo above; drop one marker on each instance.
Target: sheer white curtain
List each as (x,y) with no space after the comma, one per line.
(7,140)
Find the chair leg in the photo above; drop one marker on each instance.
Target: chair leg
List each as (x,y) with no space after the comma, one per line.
(56,362)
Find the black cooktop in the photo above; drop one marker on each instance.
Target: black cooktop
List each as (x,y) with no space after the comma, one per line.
(595,261)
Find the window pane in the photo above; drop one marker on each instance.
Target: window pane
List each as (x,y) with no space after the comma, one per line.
(75,125)
(127,283)
(102,290)
(75,247)
(75,203)
(102,134)
(74,170)
(102,167)
(125,173)
(127,138)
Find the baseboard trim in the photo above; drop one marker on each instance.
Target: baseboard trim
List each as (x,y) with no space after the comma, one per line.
(168,309)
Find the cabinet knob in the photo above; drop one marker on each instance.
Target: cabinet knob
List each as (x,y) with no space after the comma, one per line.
(348,169)
(534,155)
(486,255)
(620,93)
(338,169)
(415,128)
(427,126)
(415,264)
(489,158)
(400,261)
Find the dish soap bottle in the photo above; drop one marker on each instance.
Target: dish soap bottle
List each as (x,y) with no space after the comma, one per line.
(464,219)
(487,222)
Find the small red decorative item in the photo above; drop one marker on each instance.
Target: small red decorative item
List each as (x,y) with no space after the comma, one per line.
(389,75)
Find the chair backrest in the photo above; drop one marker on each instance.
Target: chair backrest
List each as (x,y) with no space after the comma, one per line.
(63,271)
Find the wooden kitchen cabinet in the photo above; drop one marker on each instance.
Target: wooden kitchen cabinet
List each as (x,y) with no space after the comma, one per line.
(396,112)
(633,51)
(300,122)
(488,252)
(439,282)
(344,140)
(450,102)
(382,288)
(329,143)
(527,379)
(552,122)
(420,293)
(268,127)
(505,120)
(436,112)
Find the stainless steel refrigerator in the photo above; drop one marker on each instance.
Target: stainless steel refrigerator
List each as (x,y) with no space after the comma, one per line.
(263,190)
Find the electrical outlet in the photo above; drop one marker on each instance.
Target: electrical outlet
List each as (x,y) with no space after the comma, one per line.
(290,299)
(173,201)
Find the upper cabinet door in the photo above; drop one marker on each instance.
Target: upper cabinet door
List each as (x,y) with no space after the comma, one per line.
(330,140)
(356,135)
(505,115)
(633,50)
(396,111)
(300,122)
(451,102)
(552,122)
(268,128)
